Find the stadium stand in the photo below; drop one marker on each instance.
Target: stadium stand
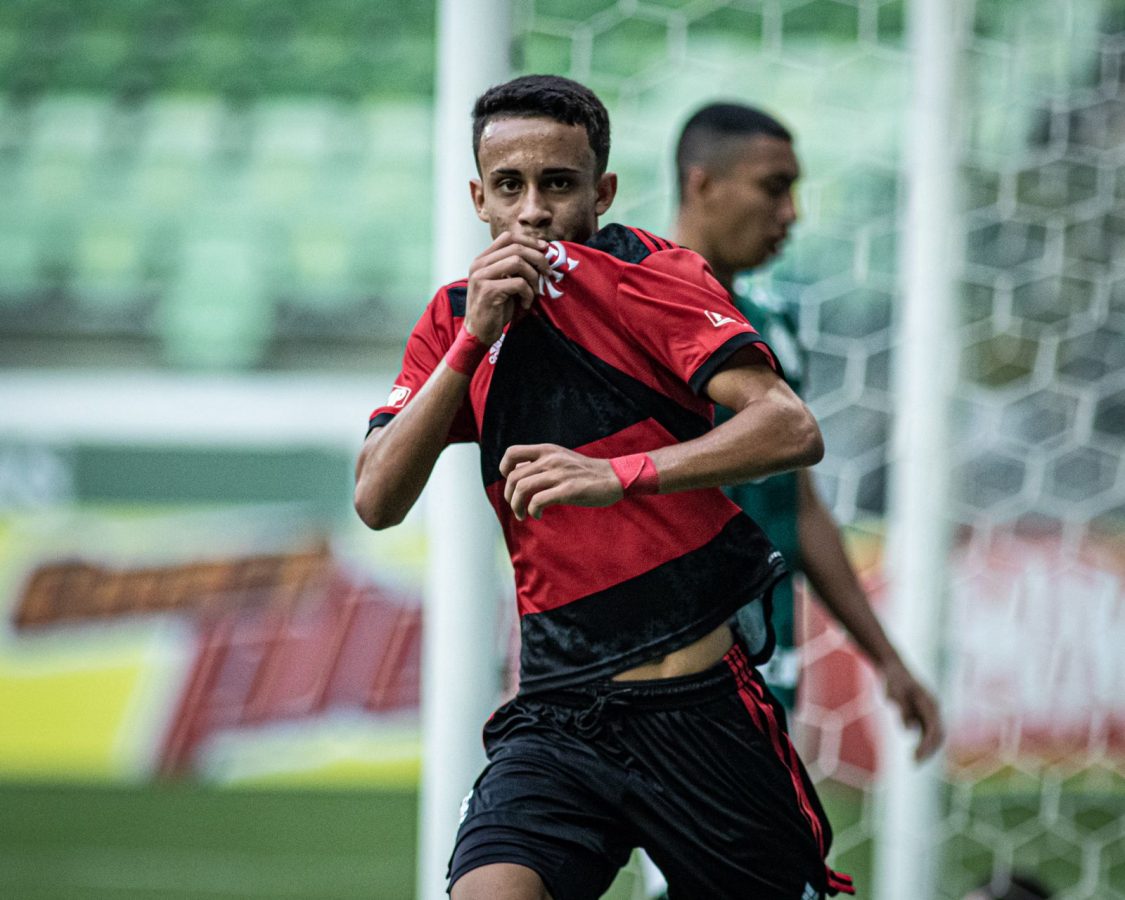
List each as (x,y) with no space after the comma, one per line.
(155,157)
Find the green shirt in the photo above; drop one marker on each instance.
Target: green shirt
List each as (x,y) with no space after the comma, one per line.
(772,502)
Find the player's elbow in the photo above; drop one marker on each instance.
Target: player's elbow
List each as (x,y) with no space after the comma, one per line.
(806,444)
(374,508)
(374,501)
(811,442)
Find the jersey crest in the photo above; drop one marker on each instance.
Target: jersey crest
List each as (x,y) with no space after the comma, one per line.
(560,264)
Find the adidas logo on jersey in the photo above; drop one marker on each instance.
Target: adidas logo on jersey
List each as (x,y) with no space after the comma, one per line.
(560,264)
(718,320)
(494,350)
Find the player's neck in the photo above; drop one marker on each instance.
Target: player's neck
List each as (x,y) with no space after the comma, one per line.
(687,235)
(725,277)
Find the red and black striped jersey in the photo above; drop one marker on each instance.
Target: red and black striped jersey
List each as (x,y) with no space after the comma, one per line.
(613,359)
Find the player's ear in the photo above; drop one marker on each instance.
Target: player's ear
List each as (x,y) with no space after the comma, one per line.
(607,190)
(697,182)
(476,189)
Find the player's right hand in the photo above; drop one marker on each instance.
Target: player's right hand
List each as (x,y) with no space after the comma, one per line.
(917,706)
(505,274)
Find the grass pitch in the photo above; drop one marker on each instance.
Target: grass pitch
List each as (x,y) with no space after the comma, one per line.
(186,842)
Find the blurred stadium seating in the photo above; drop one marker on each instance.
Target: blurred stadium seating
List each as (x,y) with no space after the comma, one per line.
(214,185)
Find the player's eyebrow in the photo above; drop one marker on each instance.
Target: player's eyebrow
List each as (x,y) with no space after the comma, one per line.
(550,170)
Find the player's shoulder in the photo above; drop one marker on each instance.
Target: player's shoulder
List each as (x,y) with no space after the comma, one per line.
(451,299)
(638,254)
(642,264)
(630,245)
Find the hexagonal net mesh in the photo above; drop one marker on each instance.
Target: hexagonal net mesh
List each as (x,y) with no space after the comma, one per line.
(1033,687)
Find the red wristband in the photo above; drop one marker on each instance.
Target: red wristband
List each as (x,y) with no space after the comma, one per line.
(466,353)
(636,473)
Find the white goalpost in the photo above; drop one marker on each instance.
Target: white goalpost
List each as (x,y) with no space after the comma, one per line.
(918,514)
(460,664)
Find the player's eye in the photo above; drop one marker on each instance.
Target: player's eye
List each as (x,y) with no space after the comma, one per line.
(777,188)
(559,183)
(508,186)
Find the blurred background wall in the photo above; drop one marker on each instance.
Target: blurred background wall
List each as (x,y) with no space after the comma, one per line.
(215,225)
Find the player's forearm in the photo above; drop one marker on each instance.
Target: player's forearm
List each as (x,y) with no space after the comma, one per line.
(830,572)
(770,434)
(397,459)
(826,564)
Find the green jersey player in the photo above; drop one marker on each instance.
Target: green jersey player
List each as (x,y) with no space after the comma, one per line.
(736,168)
(773,502)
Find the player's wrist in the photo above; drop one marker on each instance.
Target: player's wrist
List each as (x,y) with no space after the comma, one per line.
(466,352)
(888,658)
(893,669)
(637,474)
(486,328)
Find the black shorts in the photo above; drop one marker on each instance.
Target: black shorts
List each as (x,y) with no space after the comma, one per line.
(699,771)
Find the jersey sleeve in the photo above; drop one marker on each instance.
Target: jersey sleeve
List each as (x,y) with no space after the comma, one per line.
(673,306)
(428,342)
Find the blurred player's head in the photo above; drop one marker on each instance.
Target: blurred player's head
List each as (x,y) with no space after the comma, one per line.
(736,169)
(541,144)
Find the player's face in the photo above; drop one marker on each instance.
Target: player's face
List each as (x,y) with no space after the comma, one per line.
(751,206)
(539,180)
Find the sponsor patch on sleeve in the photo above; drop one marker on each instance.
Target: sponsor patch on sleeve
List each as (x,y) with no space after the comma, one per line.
(398,396)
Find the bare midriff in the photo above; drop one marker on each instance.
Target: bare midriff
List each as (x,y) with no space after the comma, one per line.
(688,660)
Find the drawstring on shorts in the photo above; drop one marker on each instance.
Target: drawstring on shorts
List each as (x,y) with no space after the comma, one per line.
(601,719)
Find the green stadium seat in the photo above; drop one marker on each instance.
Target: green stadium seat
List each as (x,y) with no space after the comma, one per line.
(216,312)
(403,131)
(108,280)
(19,265)
(69,127)
(292,130)
(182,129)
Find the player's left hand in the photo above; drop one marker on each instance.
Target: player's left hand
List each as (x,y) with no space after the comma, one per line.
(542,475)
(918,708)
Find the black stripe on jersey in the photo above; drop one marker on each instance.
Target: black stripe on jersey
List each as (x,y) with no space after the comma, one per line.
(716,360)
(660,242)
(379,421)
(548,389)
(620,241)
(457,299)
(646,238)
(643,618)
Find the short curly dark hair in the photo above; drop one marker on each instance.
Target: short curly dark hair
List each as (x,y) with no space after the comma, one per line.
(552,97)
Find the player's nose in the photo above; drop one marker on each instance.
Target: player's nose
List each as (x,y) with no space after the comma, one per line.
(534,212)
(787,211)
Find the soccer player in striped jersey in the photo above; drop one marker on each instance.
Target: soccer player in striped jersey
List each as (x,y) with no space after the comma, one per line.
(585,362)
